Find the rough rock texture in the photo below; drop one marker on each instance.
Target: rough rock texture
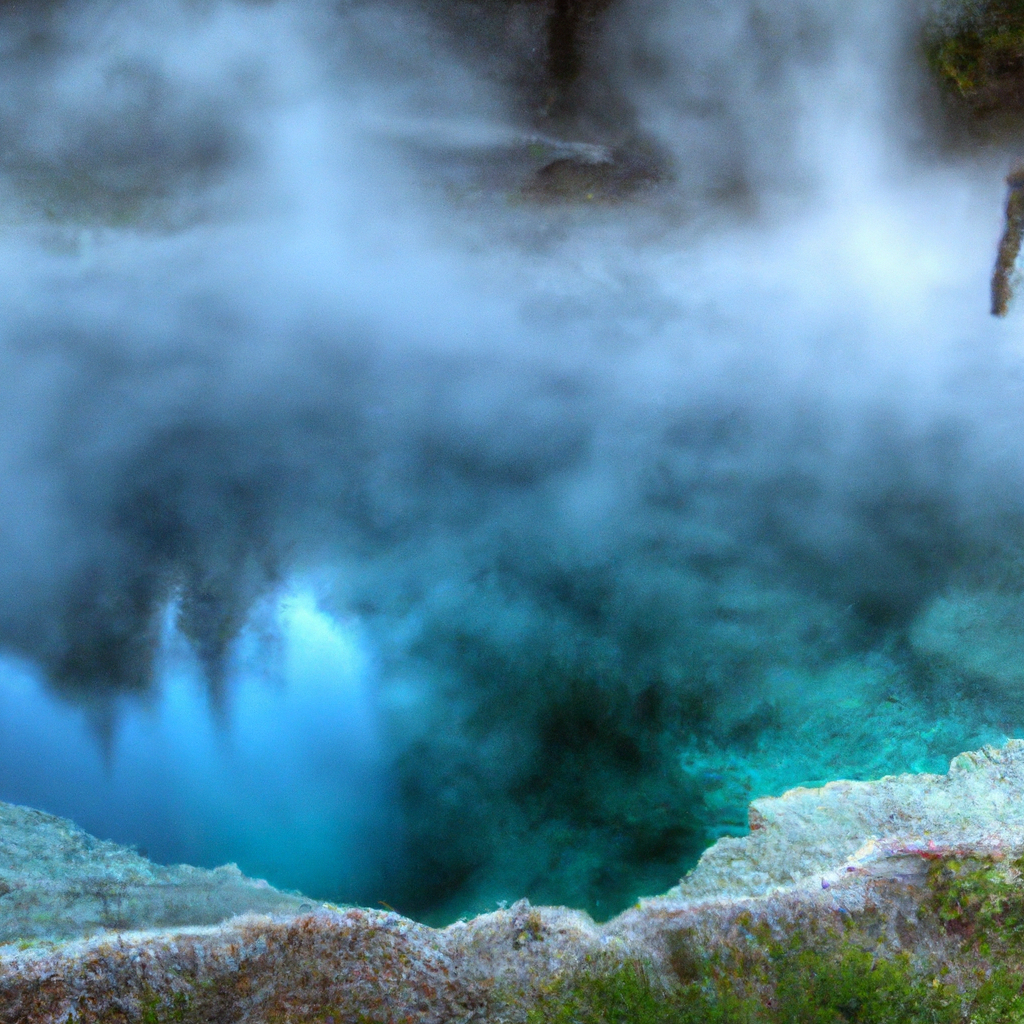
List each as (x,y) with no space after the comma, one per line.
(808,835)
(57,881)
(878,864)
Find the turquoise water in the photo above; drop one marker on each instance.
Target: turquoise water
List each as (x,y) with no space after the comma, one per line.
(299,771)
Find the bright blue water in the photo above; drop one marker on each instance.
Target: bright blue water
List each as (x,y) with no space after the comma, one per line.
(285,777)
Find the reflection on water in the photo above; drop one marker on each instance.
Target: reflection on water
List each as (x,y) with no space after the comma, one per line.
(283,778)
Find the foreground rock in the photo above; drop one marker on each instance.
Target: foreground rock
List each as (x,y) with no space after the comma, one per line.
(57,881)
(898,900)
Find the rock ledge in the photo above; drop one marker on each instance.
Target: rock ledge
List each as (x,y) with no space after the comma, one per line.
(850,862)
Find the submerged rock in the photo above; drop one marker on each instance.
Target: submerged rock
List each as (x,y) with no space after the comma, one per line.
(610,178)
(901,899)
(1009,244)
(977,54)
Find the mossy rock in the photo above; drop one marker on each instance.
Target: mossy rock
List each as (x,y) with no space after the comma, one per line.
(980,60)
(791,976)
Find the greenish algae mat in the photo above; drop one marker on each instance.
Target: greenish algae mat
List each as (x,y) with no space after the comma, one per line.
(900,900)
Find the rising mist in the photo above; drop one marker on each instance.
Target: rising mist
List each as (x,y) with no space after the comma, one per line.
(635,497)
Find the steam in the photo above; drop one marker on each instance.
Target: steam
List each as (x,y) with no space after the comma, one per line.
(601,482)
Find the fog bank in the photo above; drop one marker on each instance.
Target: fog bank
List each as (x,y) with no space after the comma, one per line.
(626,496)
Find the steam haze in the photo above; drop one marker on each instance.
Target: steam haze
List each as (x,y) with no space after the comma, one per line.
(631,500)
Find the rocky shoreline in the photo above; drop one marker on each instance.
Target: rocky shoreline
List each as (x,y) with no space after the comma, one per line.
(58,882)
(910,881)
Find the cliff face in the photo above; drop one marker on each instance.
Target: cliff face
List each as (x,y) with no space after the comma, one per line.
(892,900)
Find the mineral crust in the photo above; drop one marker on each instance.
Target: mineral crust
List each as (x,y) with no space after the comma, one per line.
(919,871)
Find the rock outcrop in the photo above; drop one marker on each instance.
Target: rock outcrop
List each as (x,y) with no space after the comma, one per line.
(58,882)
(901,896)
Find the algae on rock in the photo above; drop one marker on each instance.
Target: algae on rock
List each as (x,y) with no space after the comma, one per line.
(1009,245)
(978,55)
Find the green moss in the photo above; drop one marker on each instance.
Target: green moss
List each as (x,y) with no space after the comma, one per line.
(843,986)
(981,902)
(981,60)
(807,973)
(799,978)
(172,1009)
(850,984)
(998,1000)
(166,1011)
(959,60)
(191,1006)
(624,993)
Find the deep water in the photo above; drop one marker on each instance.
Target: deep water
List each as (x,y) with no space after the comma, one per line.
(412,523)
